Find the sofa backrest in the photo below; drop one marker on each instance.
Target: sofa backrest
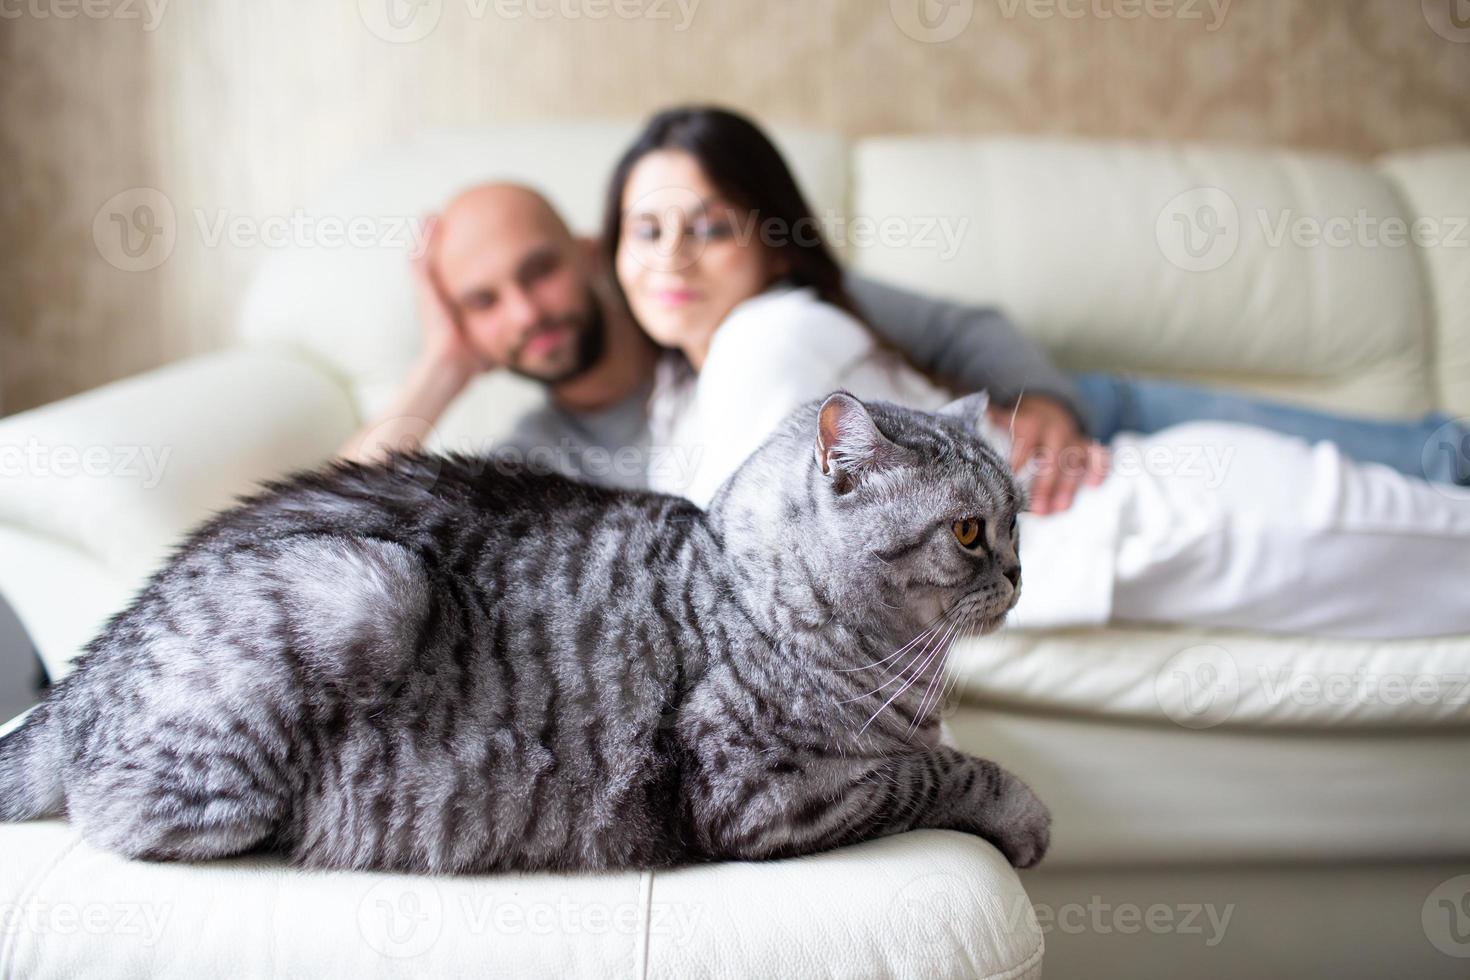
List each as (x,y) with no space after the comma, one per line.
(1261,269)
(1435,187)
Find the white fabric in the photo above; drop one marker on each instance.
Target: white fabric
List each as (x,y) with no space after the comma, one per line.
(772,352)
(1209,524)
(1081,242)
(1286,536)
(931,904)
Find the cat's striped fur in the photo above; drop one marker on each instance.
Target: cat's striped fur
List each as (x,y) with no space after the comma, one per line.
(445,664)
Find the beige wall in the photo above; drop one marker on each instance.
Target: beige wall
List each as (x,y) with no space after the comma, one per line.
(249,107)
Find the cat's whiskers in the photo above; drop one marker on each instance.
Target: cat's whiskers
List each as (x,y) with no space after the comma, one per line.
(932,624)
(952,681)
(1015,409)
(910,682)
(874,553)
(945,621)
(940,679)
(929,635)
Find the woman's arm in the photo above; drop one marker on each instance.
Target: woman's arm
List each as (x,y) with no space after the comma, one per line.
(972,348)
(976,348)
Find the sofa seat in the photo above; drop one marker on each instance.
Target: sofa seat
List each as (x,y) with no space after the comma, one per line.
(1201,678)
(930,903)
(1133,793)
(1190,746)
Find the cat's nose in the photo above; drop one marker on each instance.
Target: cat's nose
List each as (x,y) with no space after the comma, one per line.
(1013,575)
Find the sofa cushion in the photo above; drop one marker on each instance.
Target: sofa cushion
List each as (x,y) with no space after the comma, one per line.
(1198,678)
(1083,244)
(1435,185)
(931,903)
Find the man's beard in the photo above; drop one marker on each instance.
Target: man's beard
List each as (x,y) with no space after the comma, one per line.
(589,342)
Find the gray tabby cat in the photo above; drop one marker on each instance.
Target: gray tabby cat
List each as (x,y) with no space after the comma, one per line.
(444,665)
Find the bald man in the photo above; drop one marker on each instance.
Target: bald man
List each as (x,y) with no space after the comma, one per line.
(503,283)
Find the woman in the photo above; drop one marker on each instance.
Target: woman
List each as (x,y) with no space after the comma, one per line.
(722,262)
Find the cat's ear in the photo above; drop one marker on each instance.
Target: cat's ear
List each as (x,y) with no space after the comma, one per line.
(973,411)
(969,409)
(848,441)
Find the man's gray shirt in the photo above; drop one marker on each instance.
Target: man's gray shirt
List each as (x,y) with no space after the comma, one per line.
(968,347)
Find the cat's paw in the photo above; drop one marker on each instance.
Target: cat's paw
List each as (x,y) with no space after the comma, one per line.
(1020,825)
(1024,846)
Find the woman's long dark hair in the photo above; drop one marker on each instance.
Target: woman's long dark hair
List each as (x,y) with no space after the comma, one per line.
(742,162)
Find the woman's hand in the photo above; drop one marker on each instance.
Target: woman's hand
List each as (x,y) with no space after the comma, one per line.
(1045,435)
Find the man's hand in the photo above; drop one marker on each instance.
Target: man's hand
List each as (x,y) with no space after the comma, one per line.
(446,364)
(1045,435)
(445,344)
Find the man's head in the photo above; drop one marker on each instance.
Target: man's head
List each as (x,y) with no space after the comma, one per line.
(519,282)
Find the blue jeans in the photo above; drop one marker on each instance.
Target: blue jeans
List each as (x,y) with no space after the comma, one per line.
(1436,447)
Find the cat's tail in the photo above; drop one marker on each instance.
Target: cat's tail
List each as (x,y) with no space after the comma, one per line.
(30,768)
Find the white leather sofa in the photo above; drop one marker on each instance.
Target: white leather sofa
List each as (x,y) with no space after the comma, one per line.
(1227,804)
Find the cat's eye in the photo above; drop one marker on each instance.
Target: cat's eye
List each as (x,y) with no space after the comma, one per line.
(967,531)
